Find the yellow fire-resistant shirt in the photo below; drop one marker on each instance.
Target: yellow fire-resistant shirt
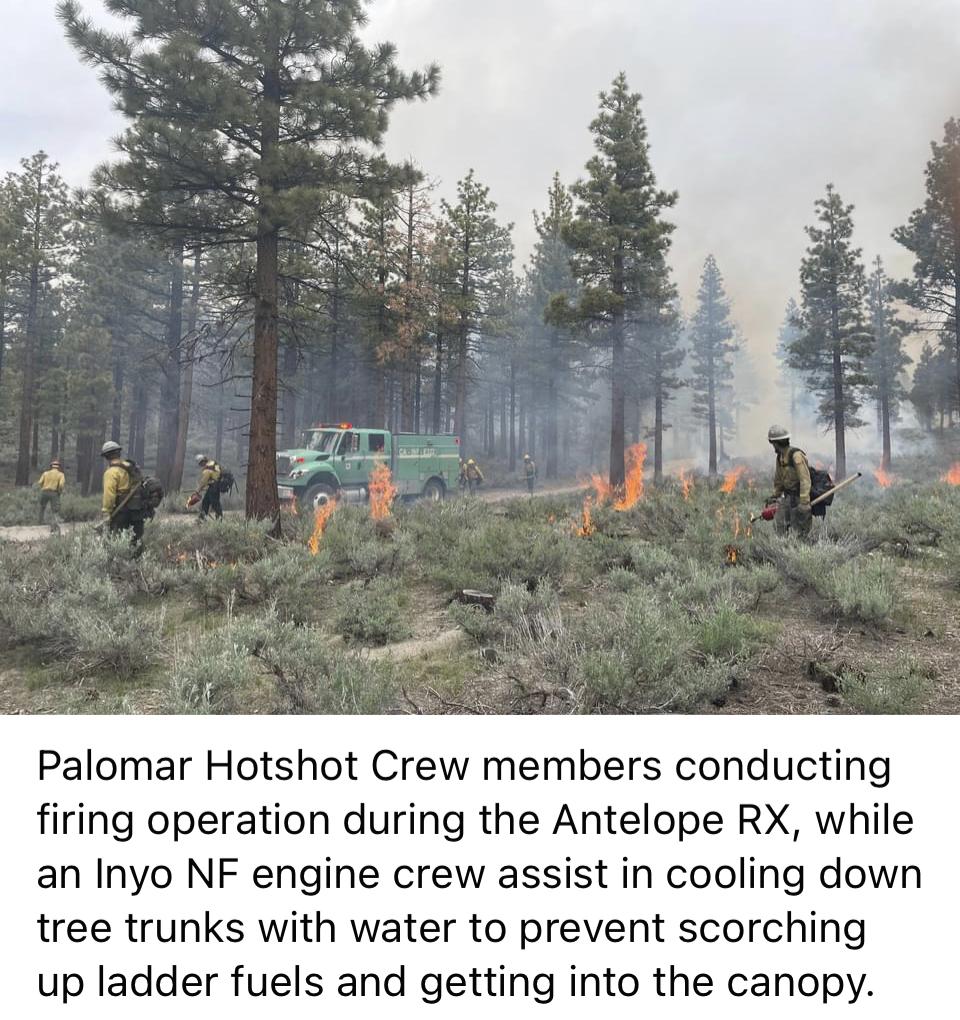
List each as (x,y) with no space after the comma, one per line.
(52,481)
(792,475)
(116,485)
(210,474)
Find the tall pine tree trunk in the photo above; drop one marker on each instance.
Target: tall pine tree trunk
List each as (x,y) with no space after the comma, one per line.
(186,379)
(438,386)
(262,501)
(117,404)
(839,416)
(618,368)
(291,360)
(658,420)
(513,414)
(553,422)
(169,407)
(886,458)
(712,419)
(28,383)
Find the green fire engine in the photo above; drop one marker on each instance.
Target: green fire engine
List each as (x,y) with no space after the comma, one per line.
(336,461)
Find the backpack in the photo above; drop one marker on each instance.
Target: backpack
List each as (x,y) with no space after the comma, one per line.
(227,482)
(147,493)
(820,483)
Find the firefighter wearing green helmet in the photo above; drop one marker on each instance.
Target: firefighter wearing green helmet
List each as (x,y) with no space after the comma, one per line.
(791,486)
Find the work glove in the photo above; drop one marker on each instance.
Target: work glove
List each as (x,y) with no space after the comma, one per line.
(804,509)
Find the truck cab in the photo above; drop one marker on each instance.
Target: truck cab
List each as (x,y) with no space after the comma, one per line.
(336,462)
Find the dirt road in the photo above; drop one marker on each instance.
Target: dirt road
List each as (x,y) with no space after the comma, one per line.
(38,533)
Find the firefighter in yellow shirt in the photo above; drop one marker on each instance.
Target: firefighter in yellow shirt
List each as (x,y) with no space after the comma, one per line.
(51,485)
(209,487)
(122,509)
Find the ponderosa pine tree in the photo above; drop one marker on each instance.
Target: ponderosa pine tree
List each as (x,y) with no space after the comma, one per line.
(618,241)
(834,342)
(933,236)
(284,103)
(888,358)
(40,197)
(664,354)
(550,344)
(481,250)
(712,343)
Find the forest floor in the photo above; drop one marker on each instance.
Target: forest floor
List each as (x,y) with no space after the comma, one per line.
(675,605)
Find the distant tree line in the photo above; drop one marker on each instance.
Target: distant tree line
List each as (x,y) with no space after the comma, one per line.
(252,264)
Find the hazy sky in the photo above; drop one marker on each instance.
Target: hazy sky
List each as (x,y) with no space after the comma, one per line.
(752,105)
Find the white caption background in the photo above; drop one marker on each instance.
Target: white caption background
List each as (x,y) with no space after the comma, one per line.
(909,958)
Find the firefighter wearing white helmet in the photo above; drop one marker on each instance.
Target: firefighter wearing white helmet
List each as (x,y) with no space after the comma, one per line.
(120,508)
(791,485)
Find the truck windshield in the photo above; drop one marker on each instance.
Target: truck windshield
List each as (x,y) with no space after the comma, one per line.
(321,441)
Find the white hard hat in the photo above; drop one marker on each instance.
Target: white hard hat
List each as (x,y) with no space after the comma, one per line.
(110,447)
(778,434)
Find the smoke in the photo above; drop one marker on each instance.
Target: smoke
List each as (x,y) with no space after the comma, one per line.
(752,108)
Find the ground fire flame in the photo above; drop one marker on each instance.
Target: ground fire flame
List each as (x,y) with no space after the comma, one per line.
(686,485)
(382,492)
(621,498)
(952,477)
(732,479)
(883,477)
(321,519)
(587,527)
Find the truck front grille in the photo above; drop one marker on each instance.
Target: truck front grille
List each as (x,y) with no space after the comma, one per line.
(283,466)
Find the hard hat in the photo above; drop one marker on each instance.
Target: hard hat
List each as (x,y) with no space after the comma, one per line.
(55,463)
(471,461)
(109,448)
(526,456)
(201,459)
(778,434)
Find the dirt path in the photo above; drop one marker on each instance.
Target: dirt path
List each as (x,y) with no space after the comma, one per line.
(416,648)
(41,532)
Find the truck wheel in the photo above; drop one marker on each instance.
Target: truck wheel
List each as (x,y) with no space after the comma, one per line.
(434,491)
(319,495)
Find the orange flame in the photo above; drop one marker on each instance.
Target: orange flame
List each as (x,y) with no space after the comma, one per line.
(952,477)
(733,555)
(587,527)
(321,519)
(686,485)
(633,484)
(883,477)
(732,479)
(382,492)
(632,491)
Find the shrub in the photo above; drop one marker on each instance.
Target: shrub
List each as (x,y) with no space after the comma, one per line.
(355,546)
(477,622)
(304,674)
(861,590)
(650,561)
(497,551)
(895,688)
(372,612)
(21,508)
(727,634)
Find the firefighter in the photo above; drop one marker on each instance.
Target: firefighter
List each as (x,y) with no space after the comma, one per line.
(209,487)
(474,476)
(462,480)
(51,485)
(122,506)
(791,486)
(530,471)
